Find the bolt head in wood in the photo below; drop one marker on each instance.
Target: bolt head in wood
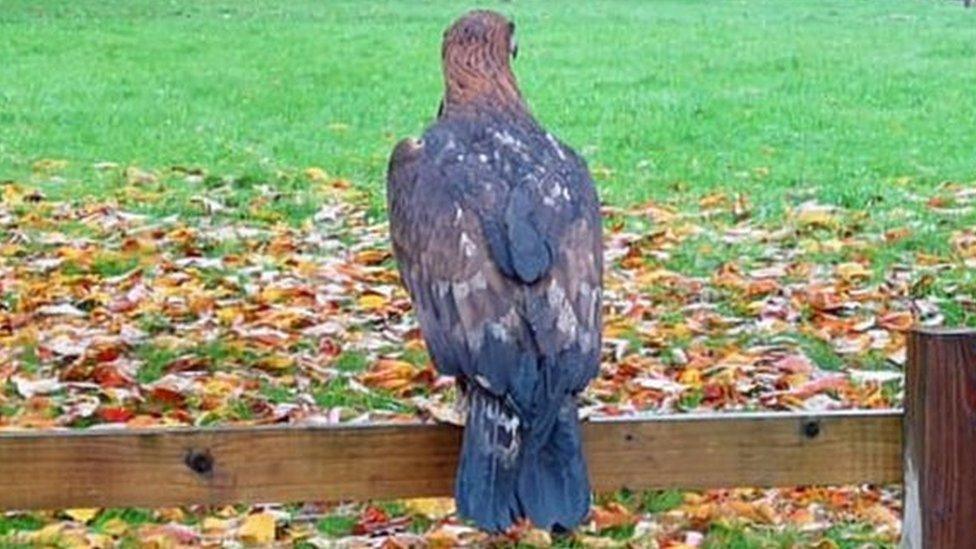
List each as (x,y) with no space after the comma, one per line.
(199,461)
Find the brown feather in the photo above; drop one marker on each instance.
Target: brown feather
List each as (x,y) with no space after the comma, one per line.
(476,57)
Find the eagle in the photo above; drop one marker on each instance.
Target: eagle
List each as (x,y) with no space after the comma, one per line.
(495,226)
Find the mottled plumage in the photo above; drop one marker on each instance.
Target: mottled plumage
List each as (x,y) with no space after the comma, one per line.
(496,230)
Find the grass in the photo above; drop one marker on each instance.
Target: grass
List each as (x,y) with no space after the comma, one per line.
(350,362)
(16,523)
(337,393)
(730,537)
(154,362)
(660,501)
(336,525)
(663,97)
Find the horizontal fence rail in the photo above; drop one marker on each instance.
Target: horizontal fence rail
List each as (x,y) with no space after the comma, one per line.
(161,467)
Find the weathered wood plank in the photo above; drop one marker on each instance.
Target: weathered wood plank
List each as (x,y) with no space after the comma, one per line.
(288,463)
(940,439)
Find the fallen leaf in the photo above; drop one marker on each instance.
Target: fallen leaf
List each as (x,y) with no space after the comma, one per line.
(258,528)
(432,508)
(82,515)
(612,515)
(317,175)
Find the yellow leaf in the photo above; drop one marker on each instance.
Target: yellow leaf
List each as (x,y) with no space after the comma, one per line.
(648,278)
(75,539)
(617,327)
(852,271)
(964,243)
(218,387)
(138,176)
(817,217)
(226,511)
(680,330)
(258,529)
(77,255)
(536,538)
(372,301)
(10,250)
(272,294)
(99,540)
(712,201)
(49,535)
(115,527)
(432,508)
(12,194)
(171,514)
(442,538)
(227,315)
(317,175)
(275,362)
(81,515)
(297,532)
(691,377)
(214,525)
(49,165)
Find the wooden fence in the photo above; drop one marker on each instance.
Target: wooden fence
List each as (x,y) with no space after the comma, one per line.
(158,467)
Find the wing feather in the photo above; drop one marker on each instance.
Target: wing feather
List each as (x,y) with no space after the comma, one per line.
(506,282)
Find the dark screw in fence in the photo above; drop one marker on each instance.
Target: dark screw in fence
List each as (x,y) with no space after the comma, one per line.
(199,461)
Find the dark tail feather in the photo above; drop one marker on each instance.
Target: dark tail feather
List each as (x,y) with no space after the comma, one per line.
(503,478)
(489,469)
(553,487)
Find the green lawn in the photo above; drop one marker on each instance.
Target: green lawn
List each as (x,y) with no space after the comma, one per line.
(661,96)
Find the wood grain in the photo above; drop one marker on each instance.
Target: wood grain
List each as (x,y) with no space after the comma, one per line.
(289,463)
(940,440)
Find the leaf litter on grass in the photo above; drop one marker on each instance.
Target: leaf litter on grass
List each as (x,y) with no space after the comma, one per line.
(110,319)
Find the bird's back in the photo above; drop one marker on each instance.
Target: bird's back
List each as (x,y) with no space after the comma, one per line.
(497,235)
(511,171)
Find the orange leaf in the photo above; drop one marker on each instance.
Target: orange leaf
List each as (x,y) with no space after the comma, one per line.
(166,395)
(397,376)
(115,414)
(109,376)
(612,515)
(898,321)
(371,257)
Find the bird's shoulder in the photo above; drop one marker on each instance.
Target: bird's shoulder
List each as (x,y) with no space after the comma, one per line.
(497,154)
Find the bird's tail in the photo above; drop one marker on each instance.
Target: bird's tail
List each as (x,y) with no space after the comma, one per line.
(554,488)
(488,471)
(510,471)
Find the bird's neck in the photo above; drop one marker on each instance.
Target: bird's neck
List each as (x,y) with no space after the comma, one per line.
(485,86)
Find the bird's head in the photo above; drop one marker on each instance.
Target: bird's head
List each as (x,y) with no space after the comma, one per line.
(477,53)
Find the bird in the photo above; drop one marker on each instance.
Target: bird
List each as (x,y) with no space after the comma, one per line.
(496,230)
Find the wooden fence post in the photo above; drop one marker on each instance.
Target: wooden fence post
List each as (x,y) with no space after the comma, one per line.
(940,440)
